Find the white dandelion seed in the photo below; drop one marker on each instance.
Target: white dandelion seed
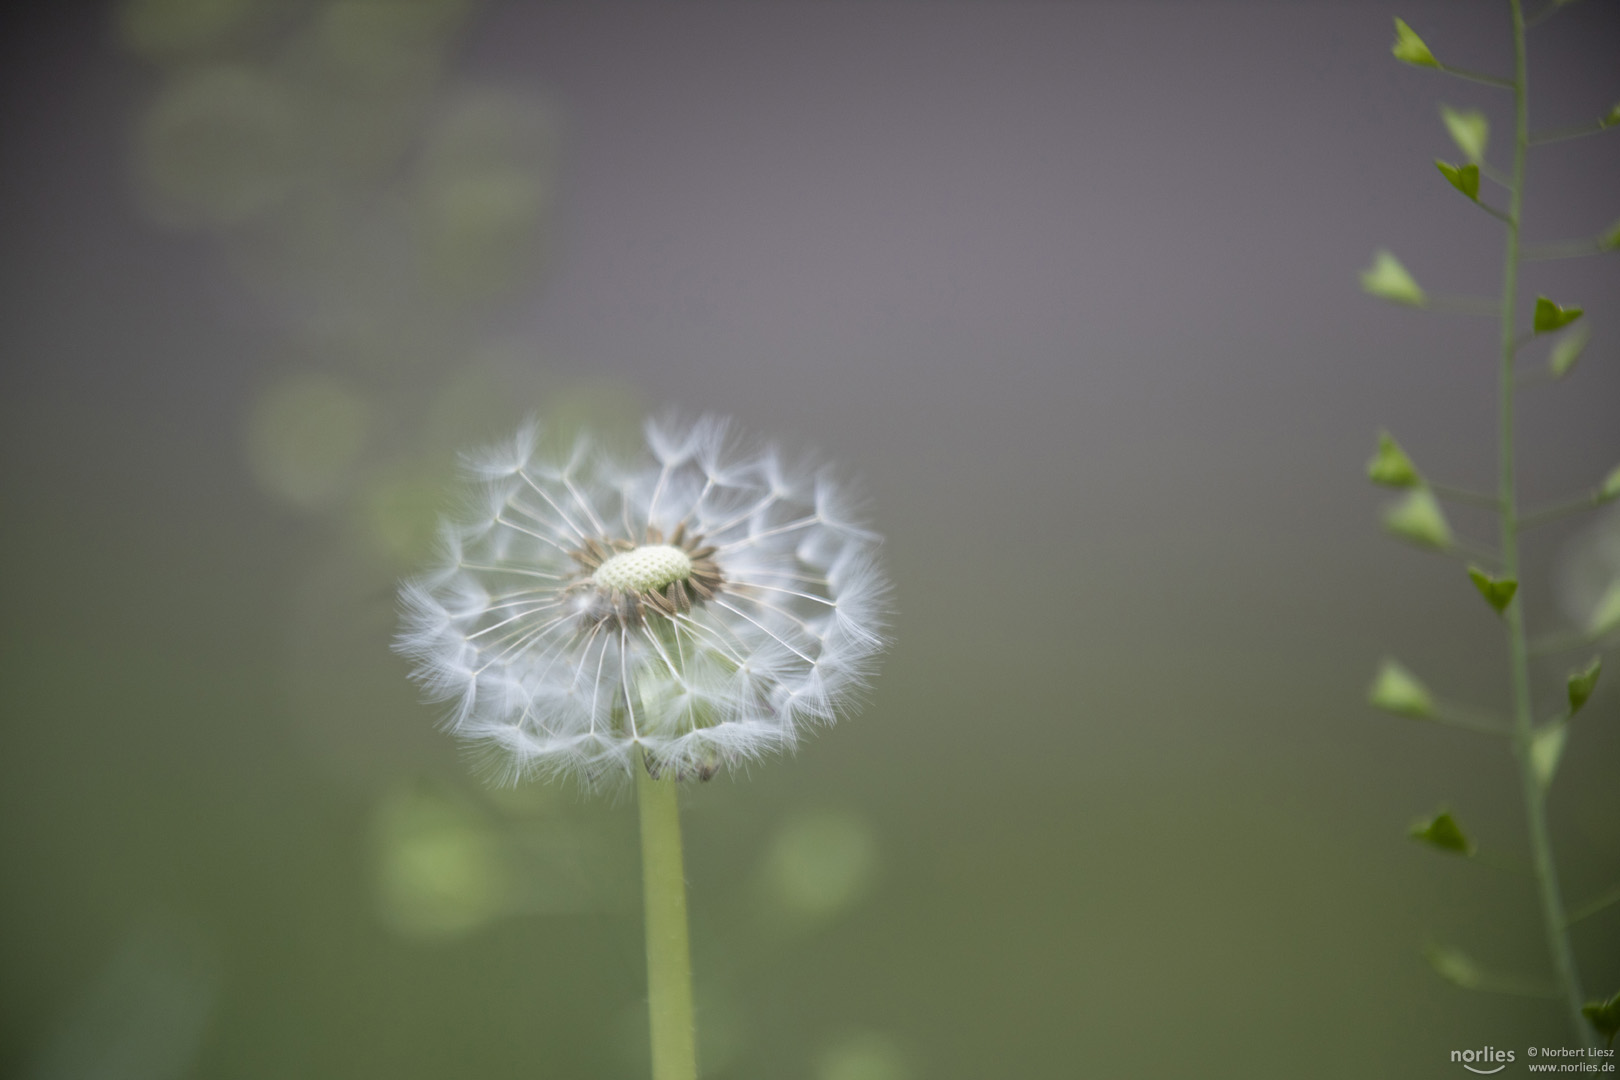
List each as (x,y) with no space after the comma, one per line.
(701,603)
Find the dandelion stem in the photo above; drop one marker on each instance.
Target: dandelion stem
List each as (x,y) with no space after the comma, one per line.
(669,957)
(1541,857)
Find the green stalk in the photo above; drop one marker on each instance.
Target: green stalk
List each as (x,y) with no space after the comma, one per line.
(669,956)
(1535,804)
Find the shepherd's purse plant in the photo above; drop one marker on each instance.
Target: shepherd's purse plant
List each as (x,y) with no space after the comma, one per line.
(1418,516)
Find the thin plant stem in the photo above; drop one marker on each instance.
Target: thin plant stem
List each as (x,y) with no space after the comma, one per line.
(1477,76)
(1578,131)
(1541,856)
(1464,495)
(1473,553)
(1515,988)
(669,955)
(1462,305)
(1562,510)
(1563,249)
(1500,864)
(1568,641)
(1547,12)
(1467,720)
(1601,904)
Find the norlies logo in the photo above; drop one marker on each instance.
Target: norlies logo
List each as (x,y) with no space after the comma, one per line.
(1485,1056)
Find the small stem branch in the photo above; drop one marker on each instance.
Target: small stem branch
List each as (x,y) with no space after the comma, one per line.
(1468,720)
(1495,175)
(1602,903)
(1515,988)
(1494,212)
(1477,76)
(1472,553)
(1561,510)
(1506,866)
(1566,641)
(1545,13)
(1535,806)
(1463,305)
(1564,134)
(669,958)
(1564,249)
(1465,495)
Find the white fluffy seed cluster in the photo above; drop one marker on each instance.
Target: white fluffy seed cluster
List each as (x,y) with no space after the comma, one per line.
(694,604)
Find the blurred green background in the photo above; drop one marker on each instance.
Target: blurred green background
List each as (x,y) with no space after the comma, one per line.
(1071,285)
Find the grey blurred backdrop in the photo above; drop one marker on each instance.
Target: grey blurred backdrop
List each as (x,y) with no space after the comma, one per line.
(1072,287)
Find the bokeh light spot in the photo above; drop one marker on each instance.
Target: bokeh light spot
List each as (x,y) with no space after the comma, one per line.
(218,146)
(819,864)
(866,1055)
(304,438)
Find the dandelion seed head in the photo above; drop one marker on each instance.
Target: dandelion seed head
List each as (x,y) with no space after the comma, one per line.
(645,569)
(693,603)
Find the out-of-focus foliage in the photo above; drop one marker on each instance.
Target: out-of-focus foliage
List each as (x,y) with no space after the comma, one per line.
(1469,129)
(1410,48)
(819,864)
(382,210)
(1589,587)
(1455,966)
(1391,466)
(1497,592)
(1418,518)
(168,31)
(1567,352)
(1581,684)
(1547,750)
(219,147)
(440,867)
(305,436)
(377,207)
(865,1055)
(1389,279)
(144,1014)
(1443,833)
(1397,690)
(1551,316)
(480,194)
